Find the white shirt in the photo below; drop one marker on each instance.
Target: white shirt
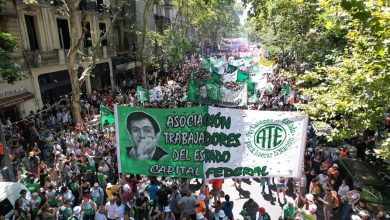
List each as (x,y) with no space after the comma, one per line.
(111,210)
(342,190)
(120,212)
(100,216)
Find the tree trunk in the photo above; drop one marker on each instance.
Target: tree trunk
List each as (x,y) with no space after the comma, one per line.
(148,6)
(71,57)
(76,93)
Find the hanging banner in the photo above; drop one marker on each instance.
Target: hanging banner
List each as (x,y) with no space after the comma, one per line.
(160,142)
(210,142)
(267,143)
(209,92)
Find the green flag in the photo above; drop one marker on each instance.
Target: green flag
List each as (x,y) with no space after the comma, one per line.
(106,114)
(206,64)
(142,94)
(216,77)
(232,68)
(242,76)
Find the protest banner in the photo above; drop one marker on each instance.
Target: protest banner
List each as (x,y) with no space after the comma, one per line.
(142,94)
(155,94)
(210,142)
(160,142)
(210,92)
(267,143)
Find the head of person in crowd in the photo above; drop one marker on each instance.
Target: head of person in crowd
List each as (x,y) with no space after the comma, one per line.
(144,132)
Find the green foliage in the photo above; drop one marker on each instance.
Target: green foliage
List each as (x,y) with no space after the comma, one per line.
(171,47)
(9,70)
(384,147)
(212,19)
(353,95)
(312,31)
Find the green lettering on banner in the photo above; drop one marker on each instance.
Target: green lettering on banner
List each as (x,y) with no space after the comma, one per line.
(236,172)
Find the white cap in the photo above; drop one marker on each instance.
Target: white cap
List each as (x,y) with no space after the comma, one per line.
(77,210)
(336,165)
(221,214)
(126,187)
(309,197)
(109,185)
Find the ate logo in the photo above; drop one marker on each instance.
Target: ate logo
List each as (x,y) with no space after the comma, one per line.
(270,138)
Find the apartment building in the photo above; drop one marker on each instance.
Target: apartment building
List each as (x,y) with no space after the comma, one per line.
(43,38)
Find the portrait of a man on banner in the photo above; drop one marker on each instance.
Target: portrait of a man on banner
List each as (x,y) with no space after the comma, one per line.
(144,132)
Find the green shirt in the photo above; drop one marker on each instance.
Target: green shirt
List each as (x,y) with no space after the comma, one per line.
(289,211)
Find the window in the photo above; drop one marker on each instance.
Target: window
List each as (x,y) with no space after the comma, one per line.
(32,33)
(63,33)
(102,29)
(88,36)
(100,6)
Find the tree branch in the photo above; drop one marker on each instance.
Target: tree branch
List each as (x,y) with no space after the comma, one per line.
(97,46)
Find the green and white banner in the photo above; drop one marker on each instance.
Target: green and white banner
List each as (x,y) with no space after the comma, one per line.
(209,92)
(261,143)
(210,142)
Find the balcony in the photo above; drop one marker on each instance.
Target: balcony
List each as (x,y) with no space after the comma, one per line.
(36,59)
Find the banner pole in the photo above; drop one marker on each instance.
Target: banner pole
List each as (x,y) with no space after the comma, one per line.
(117,139)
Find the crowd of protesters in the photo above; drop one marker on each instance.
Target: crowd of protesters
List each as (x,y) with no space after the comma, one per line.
(71,171)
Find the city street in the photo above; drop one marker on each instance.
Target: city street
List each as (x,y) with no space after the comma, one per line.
(250,188)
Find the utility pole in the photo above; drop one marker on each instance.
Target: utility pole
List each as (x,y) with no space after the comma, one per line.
(7,159)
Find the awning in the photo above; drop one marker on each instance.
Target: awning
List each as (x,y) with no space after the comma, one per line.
(13,100)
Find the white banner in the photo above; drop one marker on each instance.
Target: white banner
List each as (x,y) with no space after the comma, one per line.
(155,94)
(229,77)
(256,143)
(238,97)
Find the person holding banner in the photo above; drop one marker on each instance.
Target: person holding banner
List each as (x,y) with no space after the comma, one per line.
(144,132)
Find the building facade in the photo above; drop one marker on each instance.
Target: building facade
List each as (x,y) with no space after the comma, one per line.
(43,35)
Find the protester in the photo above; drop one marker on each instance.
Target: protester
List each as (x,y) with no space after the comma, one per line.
(251,208)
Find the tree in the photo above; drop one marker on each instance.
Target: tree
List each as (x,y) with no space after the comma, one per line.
(353,95)
(147,8)
(9,70)
(313,31)
(211,19)
(88,61)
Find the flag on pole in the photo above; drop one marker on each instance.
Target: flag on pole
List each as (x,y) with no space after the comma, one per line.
(106,114)
(142,94)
